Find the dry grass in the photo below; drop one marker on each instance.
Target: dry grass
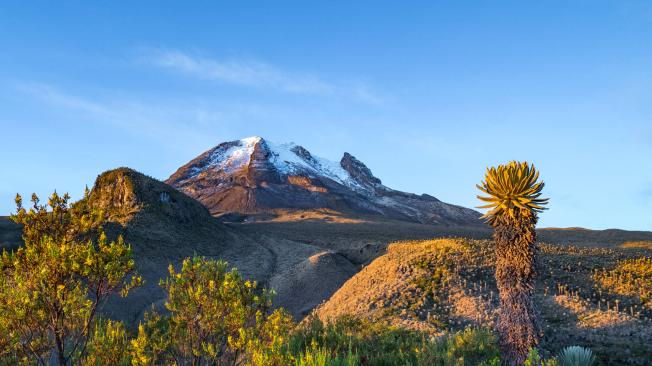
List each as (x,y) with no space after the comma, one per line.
(643,244)
(592,238)
(631,278)
(421,285)
(320,215)
(447,284)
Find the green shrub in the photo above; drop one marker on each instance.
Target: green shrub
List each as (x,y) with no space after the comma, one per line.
(373,343)
(468,347)
(533,359)
(215,317)
(351,341)
(108,345)
(324,357)
(53,287)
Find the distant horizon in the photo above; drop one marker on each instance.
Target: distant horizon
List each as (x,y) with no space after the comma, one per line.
(427,95)
(90,185)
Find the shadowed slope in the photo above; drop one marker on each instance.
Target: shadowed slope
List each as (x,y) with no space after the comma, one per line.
(10,233)
(164,226)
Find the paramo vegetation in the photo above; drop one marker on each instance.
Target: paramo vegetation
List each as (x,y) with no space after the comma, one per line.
(54,287)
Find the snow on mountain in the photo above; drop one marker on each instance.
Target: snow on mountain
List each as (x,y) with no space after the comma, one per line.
(291,158)
(287,158)
(229,159)
(254,175)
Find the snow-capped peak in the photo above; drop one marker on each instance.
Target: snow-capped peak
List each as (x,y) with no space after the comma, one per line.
(290,158)
(250,141)
(253,175)
(230,157)
(286,158)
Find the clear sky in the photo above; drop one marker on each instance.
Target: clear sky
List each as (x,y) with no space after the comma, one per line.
(427,94)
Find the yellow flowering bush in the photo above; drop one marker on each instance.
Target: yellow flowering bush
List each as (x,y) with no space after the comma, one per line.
(51,288)
(215,317)
(108,345)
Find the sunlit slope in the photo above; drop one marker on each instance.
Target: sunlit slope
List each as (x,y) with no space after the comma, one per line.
(586,295)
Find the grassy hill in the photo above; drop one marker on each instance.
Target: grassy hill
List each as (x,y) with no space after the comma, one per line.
(592,238)
(595,297)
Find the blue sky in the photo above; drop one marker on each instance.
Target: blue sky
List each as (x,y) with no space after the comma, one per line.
(427,94)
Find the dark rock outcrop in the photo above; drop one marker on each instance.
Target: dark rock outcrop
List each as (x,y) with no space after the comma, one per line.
(358,170)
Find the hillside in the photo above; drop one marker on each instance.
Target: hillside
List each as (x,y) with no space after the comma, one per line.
(587,296)
(164,226)
(305,255)
(254,175)
(9,233)
(586,237)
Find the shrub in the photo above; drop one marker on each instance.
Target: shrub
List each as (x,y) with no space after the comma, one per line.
(324,357)
(269,345)
(108,345)
(468,347)
(52,287)
(533,359)
(216,317)
(373,343)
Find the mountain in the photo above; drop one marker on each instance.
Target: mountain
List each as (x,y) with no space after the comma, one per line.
(157,221)
(254,175)
(128,196)
(164,226)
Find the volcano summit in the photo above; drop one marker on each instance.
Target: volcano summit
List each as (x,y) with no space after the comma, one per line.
(254,175)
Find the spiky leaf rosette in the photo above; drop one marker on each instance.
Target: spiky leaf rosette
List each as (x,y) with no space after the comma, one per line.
(513,189)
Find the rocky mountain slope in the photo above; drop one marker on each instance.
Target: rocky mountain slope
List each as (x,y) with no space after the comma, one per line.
(164,226)
(253,175)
